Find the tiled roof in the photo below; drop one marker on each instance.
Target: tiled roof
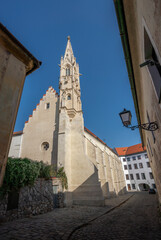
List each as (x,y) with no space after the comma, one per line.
(121,151)
(17,133)
(130,150)
(87,130)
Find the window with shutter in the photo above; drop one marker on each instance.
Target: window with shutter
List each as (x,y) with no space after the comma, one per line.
(154,67)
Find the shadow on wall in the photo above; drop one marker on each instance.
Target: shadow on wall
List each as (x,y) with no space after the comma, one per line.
(54,153)
(91,193)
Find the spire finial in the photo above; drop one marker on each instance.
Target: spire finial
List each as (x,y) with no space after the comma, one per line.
(68,37)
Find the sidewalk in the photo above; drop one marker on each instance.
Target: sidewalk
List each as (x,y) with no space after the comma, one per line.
(58,224)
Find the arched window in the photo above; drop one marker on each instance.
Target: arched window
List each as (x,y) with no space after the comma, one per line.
(68,71)
(69,97)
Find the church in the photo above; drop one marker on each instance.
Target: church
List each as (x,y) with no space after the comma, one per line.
(55,134)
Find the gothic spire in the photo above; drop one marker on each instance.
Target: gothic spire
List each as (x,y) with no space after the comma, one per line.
(69,51)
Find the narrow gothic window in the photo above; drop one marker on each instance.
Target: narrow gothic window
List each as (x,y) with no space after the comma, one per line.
(69,97)
(68,71)
(47,105)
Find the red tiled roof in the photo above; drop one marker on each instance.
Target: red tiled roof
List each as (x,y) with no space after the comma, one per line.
(121,151)
(135,149)
(87,130)
(18,133)
(130,150)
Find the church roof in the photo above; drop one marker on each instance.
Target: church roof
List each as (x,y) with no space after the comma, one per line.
(17,133)
(91,133)
(124,151)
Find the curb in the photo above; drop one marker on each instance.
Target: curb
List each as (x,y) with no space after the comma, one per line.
(93,219)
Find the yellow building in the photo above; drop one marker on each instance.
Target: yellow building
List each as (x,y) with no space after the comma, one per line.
(140,30)
(15,63)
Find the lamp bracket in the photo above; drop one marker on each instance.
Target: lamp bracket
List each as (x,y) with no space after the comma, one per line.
(152,126)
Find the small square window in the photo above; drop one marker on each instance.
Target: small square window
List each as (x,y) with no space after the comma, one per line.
(124,160)
(133,186)
(135,166)
(146,155)
(137,176)
(140,165)
(125,167)
(129,166)
(143,175)
(151,175)
(134,158)
(139,157)
(128,159)
(127,177)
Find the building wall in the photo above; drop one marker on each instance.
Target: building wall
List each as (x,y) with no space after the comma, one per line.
(15,63)
(12,76)
(110,173)
(141,16)
(41,131)
(15,147)
(137,184)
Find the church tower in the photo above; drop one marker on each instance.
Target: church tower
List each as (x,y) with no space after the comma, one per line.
(81,172)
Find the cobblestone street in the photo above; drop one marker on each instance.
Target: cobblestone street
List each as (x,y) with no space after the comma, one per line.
(135,217)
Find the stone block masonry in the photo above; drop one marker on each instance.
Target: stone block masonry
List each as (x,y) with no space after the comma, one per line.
(33,200)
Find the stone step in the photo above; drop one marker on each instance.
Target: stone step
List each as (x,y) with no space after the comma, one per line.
(88,195)
(84,202)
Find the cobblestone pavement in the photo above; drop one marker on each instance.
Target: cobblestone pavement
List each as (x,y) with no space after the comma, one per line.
(137,219)
(56,225)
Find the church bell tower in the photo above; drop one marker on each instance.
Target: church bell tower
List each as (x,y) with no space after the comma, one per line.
(69,83)
(71,141)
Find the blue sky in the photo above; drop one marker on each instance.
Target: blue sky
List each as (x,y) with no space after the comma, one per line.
(42,26)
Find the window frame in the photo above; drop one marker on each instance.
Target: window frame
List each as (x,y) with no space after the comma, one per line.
(137,176)
(144,40)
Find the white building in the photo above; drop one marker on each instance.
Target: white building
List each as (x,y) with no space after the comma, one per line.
(15,147)
(136,166)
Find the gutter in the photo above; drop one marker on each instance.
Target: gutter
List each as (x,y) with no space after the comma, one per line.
(119,8)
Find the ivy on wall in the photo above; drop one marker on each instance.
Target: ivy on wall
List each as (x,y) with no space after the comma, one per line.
(24,172)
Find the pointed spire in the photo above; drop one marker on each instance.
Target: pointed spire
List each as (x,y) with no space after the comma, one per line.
(69,51)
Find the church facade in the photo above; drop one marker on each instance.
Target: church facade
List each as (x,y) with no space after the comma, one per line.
(55,134)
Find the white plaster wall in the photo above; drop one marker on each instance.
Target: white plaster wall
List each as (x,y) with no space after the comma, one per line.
(146,170)
(15,147)
(42,127)
(111,175)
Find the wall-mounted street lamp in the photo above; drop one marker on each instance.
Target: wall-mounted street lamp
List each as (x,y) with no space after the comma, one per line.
(126,116)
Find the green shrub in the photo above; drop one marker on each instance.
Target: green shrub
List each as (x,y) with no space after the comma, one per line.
(62,175)
(20,173)
(24,172)
(45,170)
